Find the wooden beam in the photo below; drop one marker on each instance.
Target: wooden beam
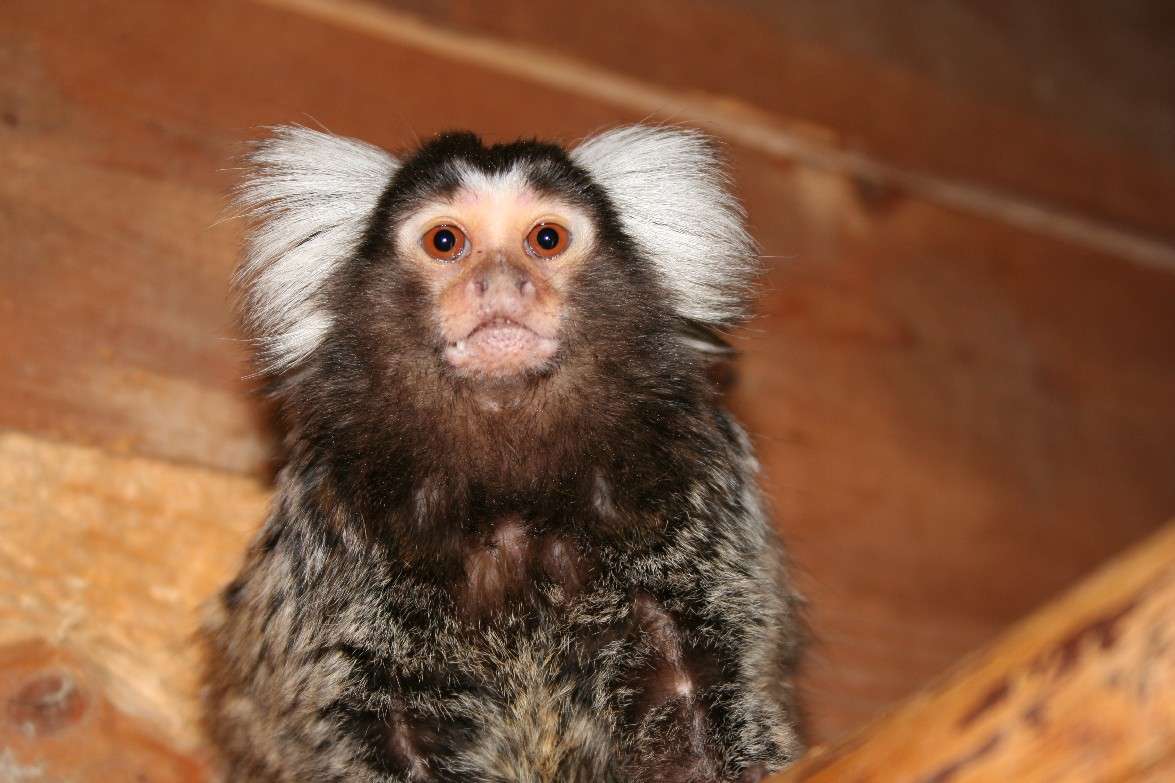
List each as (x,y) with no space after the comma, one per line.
(104,564)
(1083,690)
(850,76)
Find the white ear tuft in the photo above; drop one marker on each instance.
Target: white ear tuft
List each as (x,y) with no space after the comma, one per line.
(310,197)
(669,188)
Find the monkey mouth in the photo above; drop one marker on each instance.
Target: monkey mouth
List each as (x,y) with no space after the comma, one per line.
(500,346)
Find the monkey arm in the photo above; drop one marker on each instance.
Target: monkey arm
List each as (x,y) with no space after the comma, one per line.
(701,645)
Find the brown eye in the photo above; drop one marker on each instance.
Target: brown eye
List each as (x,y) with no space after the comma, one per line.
(547,240)
(444,243)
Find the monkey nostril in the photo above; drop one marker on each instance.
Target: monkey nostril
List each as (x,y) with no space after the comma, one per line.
(526,288)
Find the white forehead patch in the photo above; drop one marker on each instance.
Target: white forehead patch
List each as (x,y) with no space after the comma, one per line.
(497,207)
(670,190)
(477,192)
(509,184)
(309,197)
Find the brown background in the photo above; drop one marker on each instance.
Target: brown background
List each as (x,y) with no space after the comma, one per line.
(962,378)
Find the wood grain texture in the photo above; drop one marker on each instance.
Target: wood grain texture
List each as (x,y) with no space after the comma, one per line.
(58,725)
(1083,690)
(108,559)
(936,397)
(1038,99)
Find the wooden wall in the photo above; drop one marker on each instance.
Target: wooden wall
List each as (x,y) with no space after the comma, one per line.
(962,377)
(1069,103)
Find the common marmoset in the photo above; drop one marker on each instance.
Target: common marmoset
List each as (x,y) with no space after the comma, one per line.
(517,537)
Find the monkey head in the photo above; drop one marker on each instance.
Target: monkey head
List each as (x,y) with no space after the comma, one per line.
(488,259)
(491,292)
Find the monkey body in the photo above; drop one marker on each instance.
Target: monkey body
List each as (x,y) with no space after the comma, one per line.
(517,537)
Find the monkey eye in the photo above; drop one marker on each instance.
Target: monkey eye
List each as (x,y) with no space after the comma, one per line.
(547,240)
(444,242)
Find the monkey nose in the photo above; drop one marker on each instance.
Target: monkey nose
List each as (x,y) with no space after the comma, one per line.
(502,280)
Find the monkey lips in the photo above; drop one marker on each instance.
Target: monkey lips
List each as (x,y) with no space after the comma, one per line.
(500,346)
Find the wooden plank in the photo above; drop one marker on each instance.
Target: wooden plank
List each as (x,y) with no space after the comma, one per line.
(58,725)
(105,561)
(1082,690)
(1036,99)
(935,405)
(937,397)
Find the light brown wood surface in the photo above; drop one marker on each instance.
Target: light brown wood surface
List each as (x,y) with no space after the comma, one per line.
(1083,690)
(59,725)
(104,563)
(938,396)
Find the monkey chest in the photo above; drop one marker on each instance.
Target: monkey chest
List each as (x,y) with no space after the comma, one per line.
(552,645)
(512,565)
(542,602)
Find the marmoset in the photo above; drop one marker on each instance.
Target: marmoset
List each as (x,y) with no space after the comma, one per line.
(517,536)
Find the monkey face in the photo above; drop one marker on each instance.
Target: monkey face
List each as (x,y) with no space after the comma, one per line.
(496,275)
(489,313)
(498,259)
(526,276)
